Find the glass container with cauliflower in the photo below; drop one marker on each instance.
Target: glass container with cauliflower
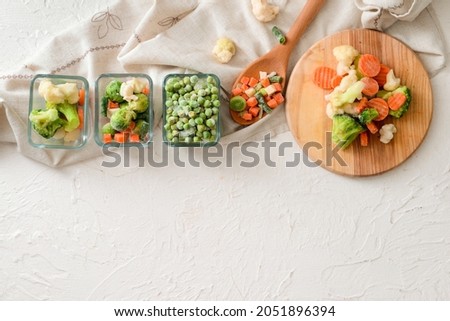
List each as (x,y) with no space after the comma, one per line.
(58,111)
(123,109)
(364,94)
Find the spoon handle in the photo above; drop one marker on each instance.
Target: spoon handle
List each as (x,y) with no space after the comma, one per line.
(306,16)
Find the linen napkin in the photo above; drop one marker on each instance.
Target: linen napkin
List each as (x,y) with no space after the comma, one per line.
(162,36)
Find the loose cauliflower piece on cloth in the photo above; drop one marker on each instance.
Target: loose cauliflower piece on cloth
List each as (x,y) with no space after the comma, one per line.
(263,11)
(224,50)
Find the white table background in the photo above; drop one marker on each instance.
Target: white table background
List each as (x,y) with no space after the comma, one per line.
(131,233)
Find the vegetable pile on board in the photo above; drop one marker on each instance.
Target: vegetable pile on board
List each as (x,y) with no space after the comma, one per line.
(364,93)
(62,117)
(252,98)
(126,105)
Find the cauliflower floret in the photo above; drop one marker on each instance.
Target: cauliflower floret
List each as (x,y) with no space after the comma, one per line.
(263,11)
(224,50)
(138,84)
(57,94)
(345,54)
(347,81)
(70,92)
(387,133)
(392,82)
(127,92)
(50,93)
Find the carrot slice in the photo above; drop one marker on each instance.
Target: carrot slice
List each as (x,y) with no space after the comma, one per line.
(120,137)
(81,96)
(381,77)
(272,103)
(265,82)
(146,91)
(247,116)
(254,111)
(396,101)
(381,106)
(277,86)
(364,138)
(361,105)
(252,101)
(336,81)
(369,65)
(112,104)
(134,138)
(253,82)
(372,127)
(236,91)
(278,97)
(107,138)
(245,80)
(370,86)
(80,111)
(322,77)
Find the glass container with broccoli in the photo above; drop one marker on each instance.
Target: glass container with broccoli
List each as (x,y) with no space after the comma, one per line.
(58,111)
(123,109)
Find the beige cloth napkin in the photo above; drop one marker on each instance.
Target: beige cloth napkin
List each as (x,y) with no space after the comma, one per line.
(162,36)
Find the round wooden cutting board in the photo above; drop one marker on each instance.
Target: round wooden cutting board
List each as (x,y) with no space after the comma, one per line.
(311,127)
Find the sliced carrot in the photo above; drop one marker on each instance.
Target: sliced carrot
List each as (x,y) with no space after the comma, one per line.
(265,82)
(272,103)
(120,137)
(336,81)
(134,138)
(82,96)
(372,127)
(361,105)
(244,87)
(381,77)
(370,86)
(146,91)
(322,77)
(381,106)
(236,91)
(80,111)
(107,138)
(396,101)
(244,96)
(253,82)
(247,116)
(278,97)
(369,65)
(364,138)
(277,86)
(252,101)
(254,111)
(130,127)
(245,80)
(112,104)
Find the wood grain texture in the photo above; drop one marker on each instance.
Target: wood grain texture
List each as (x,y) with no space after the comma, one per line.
(311,127)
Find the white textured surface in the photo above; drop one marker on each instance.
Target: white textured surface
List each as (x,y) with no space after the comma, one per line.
(90,232)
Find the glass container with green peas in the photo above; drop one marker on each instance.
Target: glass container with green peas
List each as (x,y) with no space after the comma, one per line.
(191,104)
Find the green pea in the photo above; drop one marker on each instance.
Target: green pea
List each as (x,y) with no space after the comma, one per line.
(208,112)
(192,122)
(210,123)
(199,120)
(206,134)
(180,125)
(215,110)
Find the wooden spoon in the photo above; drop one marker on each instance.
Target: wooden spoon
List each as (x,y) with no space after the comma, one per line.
(277,59)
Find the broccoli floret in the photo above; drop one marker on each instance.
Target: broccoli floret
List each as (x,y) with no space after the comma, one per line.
(404,108)
(45,122)
(70,113)
(384,94)
(144,116)
(141,128)
(345,130)
(338,99)
(107,129)
(112,91)
(140,105)
(121,119)
(367,115)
